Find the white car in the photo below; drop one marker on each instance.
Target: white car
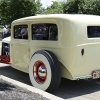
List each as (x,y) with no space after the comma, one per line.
(57,45)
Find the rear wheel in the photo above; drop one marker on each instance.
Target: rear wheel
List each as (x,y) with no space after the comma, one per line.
(44,71)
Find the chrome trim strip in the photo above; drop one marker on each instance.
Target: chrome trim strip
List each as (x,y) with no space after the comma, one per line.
(82,77)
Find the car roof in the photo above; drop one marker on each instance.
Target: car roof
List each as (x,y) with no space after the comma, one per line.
(71,17)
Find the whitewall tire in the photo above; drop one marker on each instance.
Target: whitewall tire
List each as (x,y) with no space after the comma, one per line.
(44,71)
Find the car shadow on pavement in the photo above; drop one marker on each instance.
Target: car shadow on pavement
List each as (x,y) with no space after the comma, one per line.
(15,74)
(4,86)
(74,88)
(67,89)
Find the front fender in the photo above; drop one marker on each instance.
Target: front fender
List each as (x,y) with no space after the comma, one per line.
(7,40)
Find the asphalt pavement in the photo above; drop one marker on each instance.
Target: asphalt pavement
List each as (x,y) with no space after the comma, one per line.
(16,85)
(68,90)
(9,91)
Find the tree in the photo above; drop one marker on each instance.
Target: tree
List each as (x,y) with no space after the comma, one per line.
(75,6)
(39,7)
(55,8)
(3,12)
(13,9)
(82,7)
(95,7)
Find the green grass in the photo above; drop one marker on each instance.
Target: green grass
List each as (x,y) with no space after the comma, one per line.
(0,29)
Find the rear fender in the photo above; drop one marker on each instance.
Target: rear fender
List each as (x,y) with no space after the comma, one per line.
(65,73)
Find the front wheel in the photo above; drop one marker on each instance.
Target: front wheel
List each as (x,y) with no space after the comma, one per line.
(44,71)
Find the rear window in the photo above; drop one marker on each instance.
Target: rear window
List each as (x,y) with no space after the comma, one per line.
(21,31)
(45,31)
(93,31)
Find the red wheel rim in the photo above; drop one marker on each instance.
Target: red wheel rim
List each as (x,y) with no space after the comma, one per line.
(39,72)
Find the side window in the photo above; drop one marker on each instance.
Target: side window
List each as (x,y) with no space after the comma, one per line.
(93,31)
(44,31)
(53,35)
(21,32)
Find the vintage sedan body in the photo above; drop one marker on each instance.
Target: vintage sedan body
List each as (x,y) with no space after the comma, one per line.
(56,45)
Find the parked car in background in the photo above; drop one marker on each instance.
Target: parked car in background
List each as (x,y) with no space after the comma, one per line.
(49,47)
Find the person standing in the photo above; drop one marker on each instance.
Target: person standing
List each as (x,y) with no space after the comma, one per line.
(4,32)
(24,33)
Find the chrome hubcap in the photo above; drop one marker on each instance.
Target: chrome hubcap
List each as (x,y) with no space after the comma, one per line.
(42,72)
(39,72)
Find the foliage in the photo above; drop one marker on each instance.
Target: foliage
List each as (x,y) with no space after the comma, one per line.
(39,7)
(55,8)
(75,6)
(95,7)
(13,9)
(82,7)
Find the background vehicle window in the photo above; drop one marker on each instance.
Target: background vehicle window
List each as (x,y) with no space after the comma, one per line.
(21,32)
(44,32)
(93,31)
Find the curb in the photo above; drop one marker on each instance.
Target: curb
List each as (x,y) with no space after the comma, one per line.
(30,88)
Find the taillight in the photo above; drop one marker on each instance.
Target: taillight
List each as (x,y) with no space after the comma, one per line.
(82,52)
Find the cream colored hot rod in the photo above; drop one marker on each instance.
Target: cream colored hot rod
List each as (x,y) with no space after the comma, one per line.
(49,47)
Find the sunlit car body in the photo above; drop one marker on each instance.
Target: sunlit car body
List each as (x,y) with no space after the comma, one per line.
(73,40)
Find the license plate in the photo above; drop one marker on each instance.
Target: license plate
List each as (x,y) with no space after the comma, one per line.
(96,74)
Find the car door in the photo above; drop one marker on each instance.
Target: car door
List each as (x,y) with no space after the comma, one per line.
(20,48)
